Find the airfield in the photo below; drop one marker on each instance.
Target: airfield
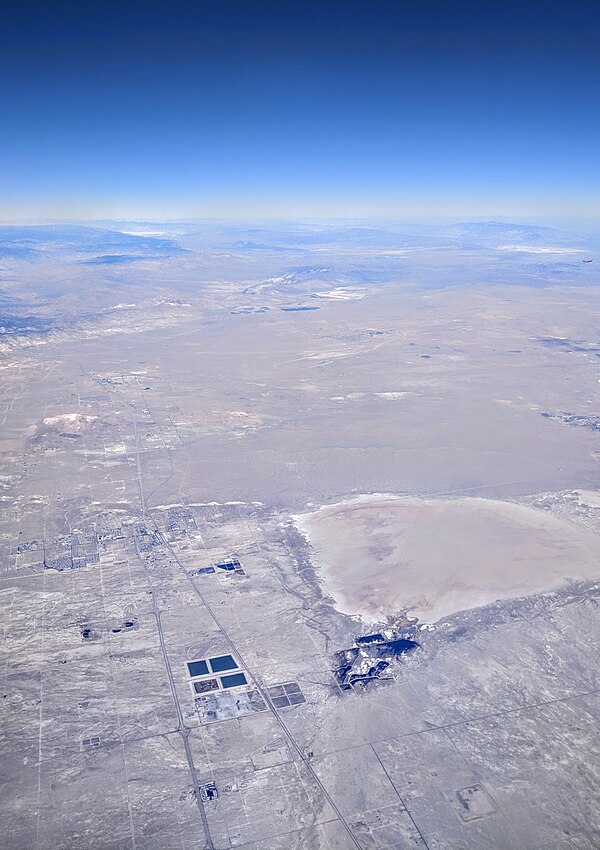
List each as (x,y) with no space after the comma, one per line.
(224,465)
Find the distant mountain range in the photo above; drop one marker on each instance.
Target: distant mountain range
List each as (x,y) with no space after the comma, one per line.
(111,246)
(396,236)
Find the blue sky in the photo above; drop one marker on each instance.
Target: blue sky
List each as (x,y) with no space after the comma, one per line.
(238,109)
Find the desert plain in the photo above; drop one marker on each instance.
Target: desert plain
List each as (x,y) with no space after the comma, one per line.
(299,536)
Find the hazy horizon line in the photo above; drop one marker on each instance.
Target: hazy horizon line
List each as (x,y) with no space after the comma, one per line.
(500,218)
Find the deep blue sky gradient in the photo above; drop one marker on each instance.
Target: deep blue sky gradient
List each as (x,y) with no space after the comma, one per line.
(146,109)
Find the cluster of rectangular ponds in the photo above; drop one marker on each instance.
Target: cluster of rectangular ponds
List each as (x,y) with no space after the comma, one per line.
(230,566)
(203,671)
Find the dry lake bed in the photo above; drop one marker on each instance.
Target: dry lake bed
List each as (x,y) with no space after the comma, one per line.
(381,556)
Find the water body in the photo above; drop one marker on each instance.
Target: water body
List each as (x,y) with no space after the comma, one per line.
(197,668)
(234,680)
(222,662)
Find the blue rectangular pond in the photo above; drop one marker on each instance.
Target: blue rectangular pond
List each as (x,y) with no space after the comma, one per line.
(234,680)
(222,662)
(198,668)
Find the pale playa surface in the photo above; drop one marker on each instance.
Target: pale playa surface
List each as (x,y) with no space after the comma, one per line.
(381,555)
